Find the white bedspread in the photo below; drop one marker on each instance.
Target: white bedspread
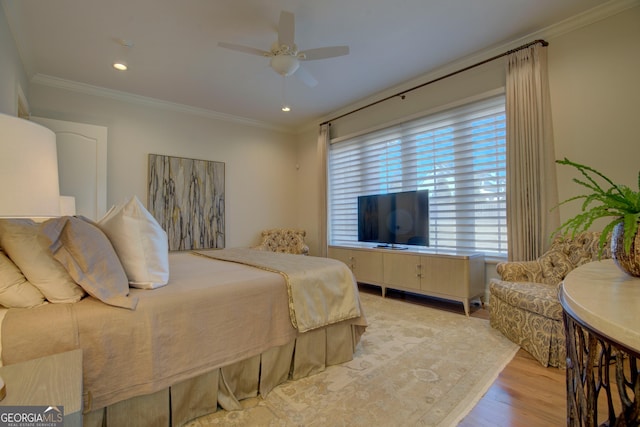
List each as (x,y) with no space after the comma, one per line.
(321,291)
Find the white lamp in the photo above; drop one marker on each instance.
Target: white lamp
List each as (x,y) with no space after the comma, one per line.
(28,174)
(28,170)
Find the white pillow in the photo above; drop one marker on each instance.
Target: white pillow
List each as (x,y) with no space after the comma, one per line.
(140,242)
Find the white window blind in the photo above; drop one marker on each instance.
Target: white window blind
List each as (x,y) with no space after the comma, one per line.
(458,155)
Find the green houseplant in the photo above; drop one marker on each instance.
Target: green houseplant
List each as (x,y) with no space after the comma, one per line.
(607,199)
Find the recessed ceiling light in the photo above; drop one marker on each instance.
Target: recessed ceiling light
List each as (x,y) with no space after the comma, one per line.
(286,108)
(120,66)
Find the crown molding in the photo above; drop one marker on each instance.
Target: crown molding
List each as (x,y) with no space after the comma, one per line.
(588,17)
(573,23)
(87,89)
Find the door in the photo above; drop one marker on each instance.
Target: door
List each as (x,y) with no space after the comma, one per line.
(82,164)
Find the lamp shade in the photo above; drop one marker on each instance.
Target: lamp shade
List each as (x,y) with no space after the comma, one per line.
(28,170)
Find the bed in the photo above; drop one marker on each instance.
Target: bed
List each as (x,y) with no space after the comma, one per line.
(228,325)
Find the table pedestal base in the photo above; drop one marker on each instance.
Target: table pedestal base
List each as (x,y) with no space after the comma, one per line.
(596,364)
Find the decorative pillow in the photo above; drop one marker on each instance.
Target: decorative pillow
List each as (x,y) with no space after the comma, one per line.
(28,248)
(554,266)
(140,242)
(86,253)
(15,289)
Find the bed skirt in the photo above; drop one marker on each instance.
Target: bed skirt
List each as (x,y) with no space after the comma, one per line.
(310,353)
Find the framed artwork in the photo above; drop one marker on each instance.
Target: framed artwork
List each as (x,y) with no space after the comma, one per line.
(186,196)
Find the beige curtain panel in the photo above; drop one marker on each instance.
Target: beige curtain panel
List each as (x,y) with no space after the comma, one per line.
(531,171)
(323,153)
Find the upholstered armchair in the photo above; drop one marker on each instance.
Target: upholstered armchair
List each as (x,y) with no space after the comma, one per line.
(287,240)
(524,304)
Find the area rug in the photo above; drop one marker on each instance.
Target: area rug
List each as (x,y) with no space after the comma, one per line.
(415,366)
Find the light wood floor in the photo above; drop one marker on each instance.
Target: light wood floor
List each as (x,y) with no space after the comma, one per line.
(524,394)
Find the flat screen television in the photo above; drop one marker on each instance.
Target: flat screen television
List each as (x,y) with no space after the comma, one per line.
(394,219)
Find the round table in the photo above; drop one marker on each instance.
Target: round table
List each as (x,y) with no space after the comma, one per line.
(601,307)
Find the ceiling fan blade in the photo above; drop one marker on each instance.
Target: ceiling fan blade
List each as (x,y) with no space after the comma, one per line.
(306,77)
(324,52)
(245,49)
(286,29)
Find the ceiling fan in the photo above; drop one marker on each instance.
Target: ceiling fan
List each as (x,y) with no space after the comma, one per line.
(284,54)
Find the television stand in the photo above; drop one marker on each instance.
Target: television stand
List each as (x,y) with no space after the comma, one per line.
(456,276)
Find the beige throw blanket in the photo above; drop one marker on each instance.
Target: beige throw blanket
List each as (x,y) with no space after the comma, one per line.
(321,290)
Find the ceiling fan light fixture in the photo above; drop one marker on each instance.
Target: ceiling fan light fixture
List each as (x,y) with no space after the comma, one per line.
(285,65)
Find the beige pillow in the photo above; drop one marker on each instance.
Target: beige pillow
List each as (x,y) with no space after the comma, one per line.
(140,242)
(28,248)
(15,289)
(86,253)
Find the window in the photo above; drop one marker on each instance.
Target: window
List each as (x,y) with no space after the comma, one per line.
(459,155)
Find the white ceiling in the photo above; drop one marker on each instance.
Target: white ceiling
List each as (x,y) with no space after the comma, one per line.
(175,56)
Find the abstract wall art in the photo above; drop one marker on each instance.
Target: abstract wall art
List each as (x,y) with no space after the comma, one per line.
(187,198)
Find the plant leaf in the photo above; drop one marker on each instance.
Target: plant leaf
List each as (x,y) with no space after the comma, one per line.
(630,230)
(618,201)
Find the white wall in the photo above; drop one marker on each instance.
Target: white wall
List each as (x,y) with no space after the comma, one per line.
(482,79)
(594,76)
(595,94)
(12,74)
(260,164)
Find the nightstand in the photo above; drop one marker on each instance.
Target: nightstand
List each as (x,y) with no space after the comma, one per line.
(48,381)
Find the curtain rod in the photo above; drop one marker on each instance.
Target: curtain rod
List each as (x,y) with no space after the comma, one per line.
(402,94)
